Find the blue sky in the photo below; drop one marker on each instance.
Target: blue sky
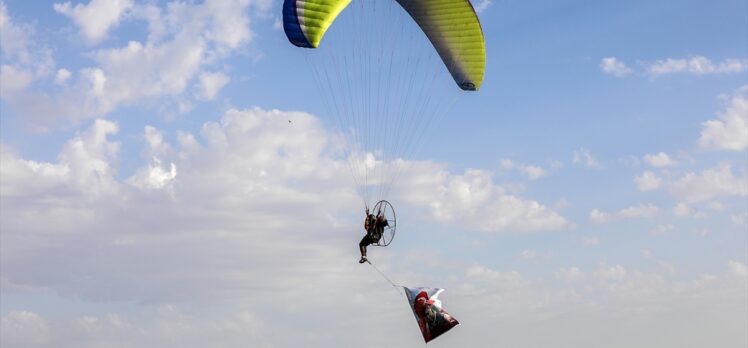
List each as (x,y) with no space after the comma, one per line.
(153,193)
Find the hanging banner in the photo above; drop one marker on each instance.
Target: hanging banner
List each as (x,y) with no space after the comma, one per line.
(432,318)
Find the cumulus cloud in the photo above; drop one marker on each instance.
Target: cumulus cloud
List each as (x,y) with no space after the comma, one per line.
(248,230)
(615,273)
(184,43)
(730,130)
(615,67)
(648,181)
(14,79)
(481,295)
(584,157)
(481,5)
(709,184)
(576,297)
(95,18)
(156,176)
(240,180)
(211,84)
(474,200)
(84,165)
(252,198)
(24,329)
(62,76)
(25,57)
(697,65)
(737,268)
(659,160)
(532,172)
(684,210)
(163,326)
(633,212)
(15,37)
(569,274)
(249,200)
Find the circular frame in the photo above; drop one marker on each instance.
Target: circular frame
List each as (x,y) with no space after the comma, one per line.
(389,214)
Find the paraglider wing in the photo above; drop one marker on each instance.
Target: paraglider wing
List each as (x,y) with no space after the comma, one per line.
(432,319)
(306,21)
(452,26)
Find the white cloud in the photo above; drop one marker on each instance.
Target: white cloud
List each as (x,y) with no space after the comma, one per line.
(16,173)
(474,200)
(709,184)
(24,329)
(610,294)
(211,84)
(96,79)
(96,18)
(599,216)
(236,183)
(633,212)
(615,67)
(156,144)
(730,130)
(648,181)
(24,56)
(737,268)
(246,186)
(659,160)
(62,76)
(171,325)
(532,172)
(481,5)
(252,197)
(697,65)
(88,157)
(615,273)
(136,72)
(584,157)
(184,42)
(642,210)
(83,166)
(256,211)
(253,213)
(684,210)
(569,274)
(14,79)
(14,37)
(156,176)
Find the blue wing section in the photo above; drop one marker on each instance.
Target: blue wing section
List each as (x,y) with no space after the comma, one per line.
(291,25)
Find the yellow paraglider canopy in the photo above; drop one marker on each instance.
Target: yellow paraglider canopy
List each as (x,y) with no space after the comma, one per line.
(452,26)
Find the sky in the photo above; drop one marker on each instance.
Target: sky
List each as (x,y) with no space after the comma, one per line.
(172,175)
